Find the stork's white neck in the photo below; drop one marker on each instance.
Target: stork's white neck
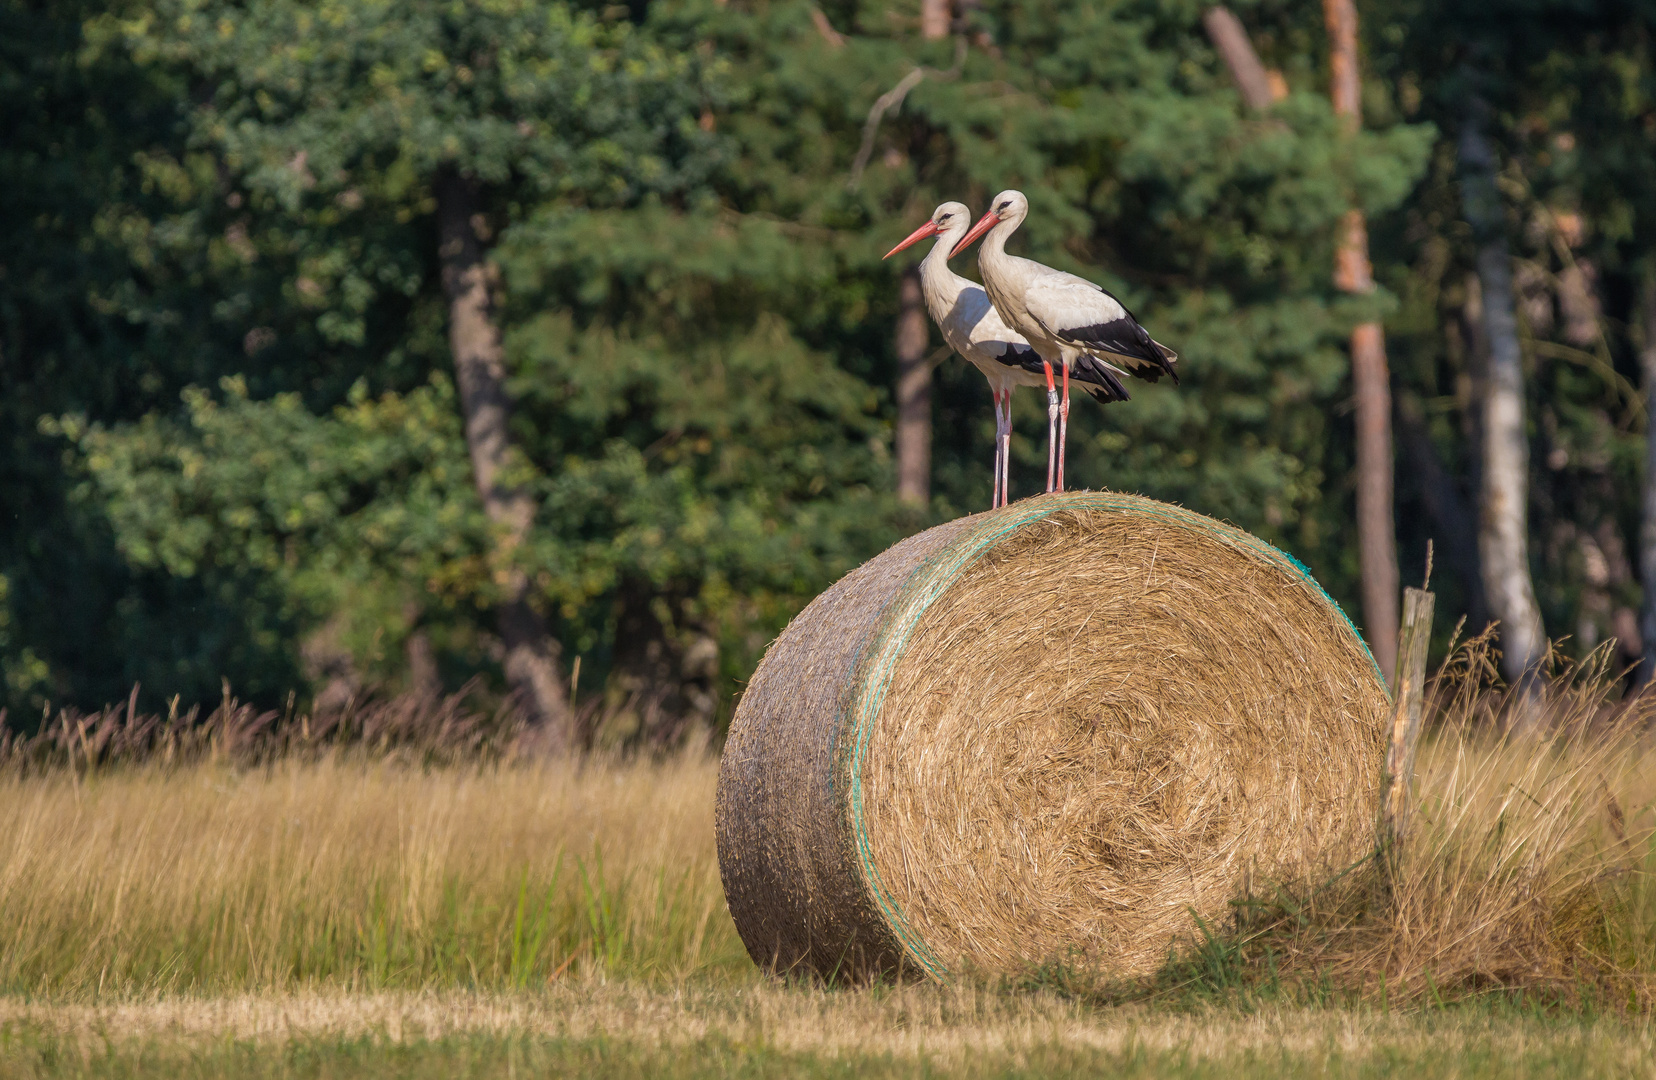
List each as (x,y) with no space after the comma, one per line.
(997,270)
(993,247)
(940,284)
(938,257)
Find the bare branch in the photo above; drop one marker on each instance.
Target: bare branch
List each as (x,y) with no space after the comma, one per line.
(833,37)
(893,99)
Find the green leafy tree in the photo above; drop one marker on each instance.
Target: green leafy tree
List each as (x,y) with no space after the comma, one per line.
(320,174)
(665,240)
(71,157)
(282,515)
(335,116)
(1145,172)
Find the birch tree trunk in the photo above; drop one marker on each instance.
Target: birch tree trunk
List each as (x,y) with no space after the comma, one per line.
(1647,523)
(1503,527)
(468,279)
(913,395)
(1370,379)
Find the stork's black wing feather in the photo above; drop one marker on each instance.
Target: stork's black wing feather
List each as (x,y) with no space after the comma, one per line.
(1020,356)
(1126,339)
(1098,380)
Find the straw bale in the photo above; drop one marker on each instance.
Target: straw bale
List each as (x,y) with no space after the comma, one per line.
(1062,730)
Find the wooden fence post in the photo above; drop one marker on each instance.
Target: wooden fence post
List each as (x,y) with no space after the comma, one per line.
(1407,704)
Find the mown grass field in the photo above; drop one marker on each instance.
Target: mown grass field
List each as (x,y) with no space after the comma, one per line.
(625,1029)
(339,914)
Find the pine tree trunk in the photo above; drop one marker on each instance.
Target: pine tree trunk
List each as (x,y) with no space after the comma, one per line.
(1647,524)
(1503,528)
(1371,382)
(913,395)
(913,373)
(1376,528)
(934,19)
(531,655)
(1230,38)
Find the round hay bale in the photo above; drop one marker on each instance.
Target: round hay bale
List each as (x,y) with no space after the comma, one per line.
(1056,731)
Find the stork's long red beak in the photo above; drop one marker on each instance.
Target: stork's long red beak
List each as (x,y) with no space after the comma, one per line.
(928,229)
(988,221)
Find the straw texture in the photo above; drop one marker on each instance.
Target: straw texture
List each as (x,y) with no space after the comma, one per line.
(1050,732)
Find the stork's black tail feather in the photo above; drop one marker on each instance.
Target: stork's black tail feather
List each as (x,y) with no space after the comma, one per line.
(1099,381)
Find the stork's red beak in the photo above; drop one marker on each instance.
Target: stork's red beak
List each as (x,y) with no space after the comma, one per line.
(988,221)
(928,229)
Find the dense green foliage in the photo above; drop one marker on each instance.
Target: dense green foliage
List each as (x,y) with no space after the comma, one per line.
(226,408)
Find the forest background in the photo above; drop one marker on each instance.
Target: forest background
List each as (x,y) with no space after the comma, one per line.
(352,348)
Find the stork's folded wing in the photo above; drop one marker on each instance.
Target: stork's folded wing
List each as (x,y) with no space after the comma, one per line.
(1085,316)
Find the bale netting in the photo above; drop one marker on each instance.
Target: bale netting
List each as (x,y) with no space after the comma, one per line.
(1059,731)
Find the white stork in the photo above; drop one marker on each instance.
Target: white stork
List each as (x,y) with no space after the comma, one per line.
(1063,316)
(971,326)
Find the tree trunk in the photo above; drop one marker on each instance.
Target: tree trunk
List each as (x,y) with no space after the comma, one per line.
(531,660)
(1230,37)
(913,395)
(1371,382)
(424,679)
(1471,327)
(1344,85)
(913,373)
(1376,529)
(1503,527)
(1647,524)
(934,19)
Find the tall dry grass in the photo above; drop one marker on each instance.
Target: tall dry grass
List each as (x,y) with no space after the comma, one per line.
(1527,865)
(350,872)
(341,861)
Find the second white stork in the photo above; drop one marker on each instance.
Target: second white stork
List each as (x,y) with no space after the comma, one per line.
(972,328)
(1063,316)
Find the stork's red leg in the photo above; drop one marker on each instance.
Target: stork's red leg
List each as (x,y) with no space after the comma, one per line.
(1052,422)
(995,490)
(1004,437)
(1006,453)
(1063,428)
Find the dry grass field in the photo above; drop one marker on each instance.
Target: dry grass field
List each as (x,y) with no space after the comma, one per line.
(342,914)
(363,875)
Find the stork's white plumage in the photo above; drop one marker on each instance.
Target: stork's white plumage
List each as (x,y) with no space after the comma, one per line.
(1064,317)
(973,328)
